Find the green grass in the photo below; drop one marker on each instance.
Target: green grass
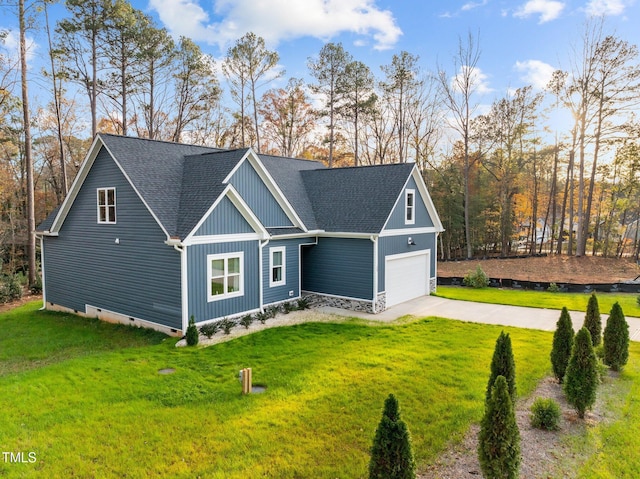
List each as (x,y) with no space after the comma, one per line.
(542,299)
(104,411)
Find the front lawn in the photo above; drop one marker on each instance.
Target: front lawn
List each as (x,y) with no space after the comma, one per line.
(541,299)
(109,413)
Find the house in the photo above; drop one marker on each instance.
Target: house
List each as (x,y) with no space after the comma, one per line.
(152,233)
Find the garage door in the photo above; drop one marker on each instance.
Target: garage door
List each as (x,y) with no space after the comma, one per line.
(406,276)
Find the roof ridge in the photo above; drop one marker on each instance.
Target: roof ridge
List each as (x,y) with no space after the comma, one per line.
(168,142)
(362,167)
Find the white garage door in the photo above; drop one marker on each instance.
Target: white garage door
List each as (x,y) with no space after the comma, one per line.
(406,276)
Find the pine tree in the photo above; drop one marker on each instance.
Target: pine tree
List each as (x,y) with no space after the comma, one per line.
(616,339)
(391,453)
(592,320)
(192,335)
(562,344)
(581,380)
(504,365)
(499,438)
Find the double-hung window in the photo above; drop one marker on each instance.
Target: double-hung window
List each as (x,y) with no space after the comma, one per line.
(225,275)
(106,205)
(410,207)
(277,266)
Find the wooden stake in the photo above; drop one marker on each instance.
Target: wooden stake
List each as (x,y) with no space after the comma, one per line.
(246,381)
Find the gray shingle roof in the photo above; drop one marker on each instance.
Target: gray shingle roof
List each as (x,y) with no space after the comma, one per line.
(357,199)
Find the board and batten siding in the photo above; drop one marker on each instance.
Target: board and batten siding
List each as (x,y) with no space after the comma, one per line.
(124,267)
(390,245)
(292,267)
(224,219)
(256,194)
(340,267)
(197,278)
(397,217)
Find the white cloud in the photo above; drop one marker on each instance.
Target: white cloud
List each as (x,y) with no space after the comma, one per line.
(471,5)
(479,80)
(535,73)
(11,45)
(598,8)
(547,9)
(277,20)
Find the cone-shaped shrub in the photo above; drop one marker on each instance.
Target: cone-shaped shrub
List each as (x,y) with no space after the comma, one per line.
(616,339)
(581,380)
(499,438)
(562,344)
(503,364)
(192,333)
(592,320)
(391,453)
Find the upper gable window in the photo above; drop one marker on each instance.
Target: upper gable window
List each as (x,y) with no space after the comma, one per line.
(106,205)
(410,207)
(225,275)
(277,266)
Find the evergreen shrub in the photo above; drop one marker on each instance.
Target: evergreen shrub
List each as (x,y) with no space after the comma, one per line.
(476,279)
(209,329)
(192,333)
(616,339)
(545,414)
(499,438)
(562,345)
(581,380)
(503,364)
(391,453)
(592,320)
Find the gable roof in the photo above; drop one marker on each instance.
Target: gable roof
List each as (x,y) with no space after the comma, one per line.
(179,184)
(355,199)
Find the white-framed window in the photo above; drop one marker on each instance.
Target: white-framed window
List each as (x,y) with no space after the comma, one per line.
(225,275)
(277,266)
(410,207)
(106,205)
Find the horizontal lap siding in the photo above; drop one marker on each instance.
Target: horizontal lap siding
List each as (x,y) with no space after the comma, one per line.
(390,245)
(292,276)
(339,266)
(199,306)
(397,218)
(256,194)
(139,277)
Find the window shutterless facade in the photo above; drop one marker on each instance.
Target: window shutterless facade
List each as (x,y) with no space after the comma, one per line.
(410,207)
(107,205)
(277,266)
(225,276)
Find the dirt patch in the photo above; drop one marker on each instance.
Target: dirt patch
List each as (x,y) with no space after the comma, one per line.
(558,269)
(26,298)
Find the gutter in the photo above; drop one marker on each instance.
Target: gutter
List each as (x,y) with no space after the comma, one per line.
(181,248)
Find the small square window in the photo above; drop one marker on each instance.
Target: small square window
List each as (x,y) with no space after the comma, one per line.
(106,205)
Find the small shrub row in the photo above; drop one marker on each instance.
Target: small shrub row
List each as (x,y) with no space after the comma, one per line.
(226,324)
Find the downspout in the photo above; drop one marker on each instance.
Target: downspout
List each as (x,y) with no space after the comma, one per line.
(184,282)
(44,290)
(374,240)
(260,273)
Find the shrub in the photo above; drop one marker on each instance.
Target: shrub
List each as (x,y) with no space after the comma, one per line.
(562,344)
(503,364)
(499,438)
(192,333)
(476,279)
(227,325)
(553,288)
(303,303)
(209,329)
(272,311)
(36,287)
(616,339)
(262,316)
(288,307)
(391,453)
(10,288)
(581,380)
(638,300)
(545,414)
(246,321)
(592,320)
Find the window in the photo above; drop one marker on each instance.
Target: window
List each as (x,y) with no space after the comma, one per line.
(410,207)
(106,205)
(225,276)
(277,265)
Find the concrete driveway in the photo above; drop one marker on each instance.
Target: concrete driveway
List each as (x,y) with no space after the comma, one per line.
(533,318)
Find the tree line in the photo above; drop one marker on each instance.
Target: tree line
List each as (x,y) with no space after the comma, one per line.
(505,181)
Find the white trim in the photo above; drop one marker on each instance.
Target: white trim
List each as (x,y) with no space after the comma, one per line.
(340,234)
(107,207)
(408,255)
(225,257)
(184,283)
(412,209)
(409,231)
(44,289)
(213,239)
(306,234)
(300,245)
(261,247)
(242,207)
(282,266)
(271,185)
(376,261)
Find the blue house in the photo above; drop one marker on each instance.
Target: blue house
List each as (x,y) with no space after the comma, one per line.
(153,232)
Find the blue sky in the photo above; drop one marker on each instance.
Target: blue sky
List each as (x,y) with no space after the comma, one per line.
(521,41)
